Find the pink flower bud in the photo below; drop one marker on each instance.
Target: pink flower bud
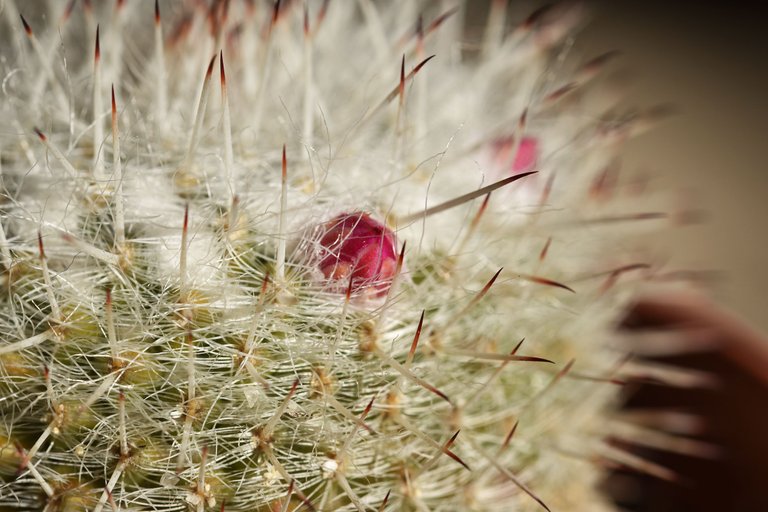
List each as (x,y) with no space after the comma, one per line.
(355,247)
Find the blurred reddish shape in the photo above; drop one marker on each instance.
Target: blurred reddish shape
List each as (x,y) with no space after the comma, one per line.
(525,157)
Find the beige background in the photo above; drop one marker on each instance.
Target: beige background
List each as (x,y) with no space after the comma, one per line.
(710,62)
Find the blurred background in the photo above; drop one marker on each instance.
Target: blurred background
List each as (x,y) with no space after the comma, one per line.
(708,60)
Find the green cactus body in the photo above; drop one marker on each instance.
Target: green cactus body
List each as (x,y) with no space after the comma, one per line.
(177,333)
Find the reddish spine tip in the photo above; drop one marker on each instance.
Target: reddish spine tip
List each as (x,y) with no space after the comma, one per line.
(401,258)
(457,459)
(509,436)
(157,12)
(224,12)
(560,92)
(523,118)
(601,60)
(68,11)
(547,190)
(566,369)
(493,280)
(385,500)
(306,20)
(212,19)
(417,335)
(422,64)
(348,295)
(402,79)
(120,4)
(40,247)
(41,135)
(294,386)
(548,282)
(321,14)
(481,211)
(441,19)
(367,408)
(420,28)
(545,249)
(97,46)
(209,71)
(535,16)
(108,300)
(308,503)
(276,12)
(439,393)
(222,71)
(27,28)
(265,284)
(485,203)
(114,102)
(285,165)
(186,218)
(452,439)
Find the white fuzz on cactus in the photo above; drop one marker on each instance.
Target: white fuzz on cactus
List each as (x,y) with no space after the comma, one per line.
(302,264)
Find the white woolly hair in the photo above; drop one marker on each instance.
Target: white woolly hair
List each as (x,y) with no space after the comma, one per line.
(168,341)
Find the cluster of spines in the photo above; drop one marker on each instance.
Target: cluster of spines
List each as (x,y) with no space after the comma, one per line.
(283,394)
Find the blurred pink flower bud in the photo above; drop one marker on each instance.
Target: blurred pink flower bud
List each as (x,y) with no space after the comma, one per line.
(356,247)
(525,158)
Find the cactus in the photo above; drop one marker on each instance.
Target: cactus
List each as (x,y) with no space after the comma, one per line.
(309,266)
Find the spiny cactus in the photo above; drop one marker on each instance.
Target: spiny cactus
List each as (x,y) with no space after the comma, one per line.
(310,266)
